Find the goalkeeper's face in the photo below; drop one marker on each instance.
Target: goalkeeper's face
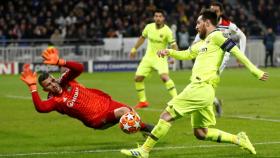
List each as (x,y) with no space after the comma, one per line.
(159,18)
(51,85)
(201,27)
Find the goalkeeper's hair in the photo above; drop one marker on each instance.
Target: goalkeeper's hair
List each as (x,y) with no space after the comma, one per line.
(160,11)
(43,77)
(210,15)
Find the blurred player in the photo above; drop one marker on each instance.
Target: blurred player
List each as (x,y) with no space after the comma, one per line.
(229,30)
(159,37)
(197,98)
(93,107)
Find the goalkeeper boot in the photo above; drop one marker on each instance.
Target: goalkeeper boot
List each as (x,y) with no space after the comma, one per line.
(137,152)
(140,105)
(245,143)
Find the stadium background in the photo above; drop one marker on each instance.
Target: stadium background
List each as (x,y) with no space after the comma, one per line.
(106,30)
(100,34)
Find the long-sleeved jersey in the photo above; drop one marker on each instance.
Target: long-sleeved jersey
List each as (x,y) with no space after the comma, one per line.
(209,54)
(77,101)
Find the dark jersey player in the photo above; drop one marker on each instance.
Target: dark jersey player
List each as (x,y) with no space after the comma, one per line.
(93,107)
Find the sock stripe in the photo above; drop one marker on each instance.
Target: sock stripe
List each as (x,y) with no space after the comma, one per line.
(219,139)
(153,137)
(139,90)
(170,88)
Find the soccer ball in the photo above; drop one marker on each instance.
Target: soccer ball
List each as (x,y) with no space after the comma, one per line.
(130,122)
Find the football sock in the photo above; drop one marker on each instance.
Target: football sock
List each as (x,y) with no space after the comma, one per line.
(170,86)
(140,88)
(219,136)
(157,133)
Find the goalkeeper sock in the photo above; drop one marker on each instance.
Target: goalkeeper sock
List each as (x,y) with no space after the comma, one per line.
(157,133)
(140,88)
(219,136)
(170,86)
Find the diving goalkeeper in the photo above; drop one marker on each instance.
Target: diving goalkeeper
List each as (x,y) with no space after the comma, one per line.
(93,107)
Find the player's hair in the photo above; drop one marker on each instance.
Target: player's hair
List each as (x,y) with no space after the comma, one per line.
(208,14)
(43,77)
(160,11)
(218,4)
(221,6)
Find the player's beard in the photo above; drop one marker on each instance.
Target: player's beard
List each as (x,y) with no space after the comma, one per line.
(57,89)
(202,33)
(159,24)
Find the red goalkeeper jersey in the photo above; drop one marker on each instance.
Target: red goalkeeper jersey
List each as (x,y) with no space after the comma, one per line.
(76,100)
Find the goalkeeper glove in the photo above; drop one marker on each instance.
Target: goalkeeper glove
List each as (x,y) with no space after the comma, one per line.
(29,77)
(50,56)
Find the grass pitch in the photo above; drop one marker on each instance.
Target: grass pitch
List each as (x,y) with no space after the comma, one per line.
(249,105)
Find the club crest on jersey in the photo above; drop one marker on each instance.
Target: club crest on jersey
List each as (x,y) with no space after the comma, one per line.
(203,49)
(64,99)
(74,98)
(69,89)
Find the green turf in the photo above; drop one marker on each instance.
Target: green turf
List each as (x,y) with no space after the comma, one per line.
(24,131)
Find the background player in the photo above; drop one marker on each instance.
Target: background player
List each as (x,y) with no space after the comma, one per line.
(159,37)
(197,98)
(93,107)
(229,30)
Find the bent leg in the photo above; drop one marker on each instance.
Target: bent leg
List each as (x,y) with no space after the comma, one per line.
(159,131)
(169,84)
(201,120)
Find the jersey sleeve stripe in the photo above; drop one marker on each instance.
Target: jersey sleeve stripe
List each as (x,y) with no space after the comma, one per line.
(228,45)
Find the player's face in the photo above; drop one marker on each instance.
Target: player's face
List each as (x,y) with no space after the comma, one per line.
(201,27)
(216,9)
(51,85)
(159,18)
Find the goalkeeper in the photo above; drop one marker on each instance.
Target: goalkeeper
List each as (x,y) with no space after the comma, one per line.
(93,107)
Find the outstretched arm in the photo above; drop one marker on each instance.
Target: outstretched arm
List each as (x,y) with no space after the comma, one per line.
(139,42)
(29,78)
(51,57)
(228,45)
(248,64)
(42,106)
(188,54)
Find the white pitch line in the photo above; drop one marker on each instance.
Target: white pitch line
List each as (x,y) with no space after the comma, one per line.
(227,116)
(18,97)
(117,150)
(253,118)
(161,110)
